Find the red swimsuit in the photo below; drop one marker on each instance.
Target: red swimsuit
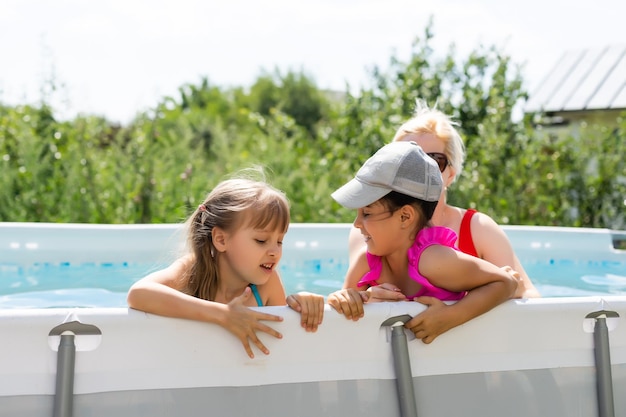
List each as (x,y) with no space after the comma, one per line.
(466,243)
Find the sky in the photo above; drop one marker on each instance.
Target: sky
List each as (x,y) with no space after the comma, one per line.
(118,57)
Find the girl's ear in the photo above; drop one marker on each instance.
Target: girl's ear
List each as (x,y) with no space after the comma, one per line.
(219,237)
(407,215)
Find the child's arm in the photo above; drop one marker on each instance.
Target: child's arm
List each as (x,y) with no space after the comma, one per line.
(349,300)
(311,309)
(162,293)
(487,284)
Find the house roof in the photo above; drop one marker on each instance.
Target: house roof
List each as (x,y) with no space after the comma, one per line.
(583,79)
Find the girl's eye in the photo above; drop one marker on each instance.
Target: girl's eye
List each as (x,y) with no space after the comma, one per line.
(280,243)
(260,241)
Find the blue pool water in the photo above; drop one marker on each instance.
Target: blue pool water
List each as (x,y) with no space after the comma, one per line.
(47,285)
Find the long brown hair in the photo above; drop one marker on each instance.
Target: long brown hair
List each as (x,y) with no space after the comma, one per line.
(234,203)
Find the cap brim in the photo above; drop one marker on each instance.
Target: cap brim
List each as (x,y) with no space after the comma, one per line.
(356,194)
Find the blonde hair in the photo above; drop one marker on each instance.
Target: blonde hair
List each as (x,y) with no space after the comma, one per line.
(232,204)
(433,121)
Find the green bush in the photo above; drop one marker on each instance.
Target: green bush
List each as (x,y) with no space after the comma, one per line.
(159,167)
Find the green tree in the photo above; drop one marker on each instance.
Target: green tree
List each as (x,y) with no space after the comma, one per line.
(159,167)
(294,94)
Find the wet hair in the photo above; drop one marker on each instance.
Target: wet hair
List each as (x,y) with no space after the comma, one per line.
(430,120)
(395,201)
(232,204)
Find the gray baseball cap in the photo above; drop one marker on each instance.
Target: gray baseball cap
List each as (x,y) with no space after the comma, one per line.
(399,166)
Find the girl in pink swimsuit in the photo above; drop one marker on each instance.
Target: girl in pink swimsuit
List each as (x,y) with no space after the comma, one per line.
(395,193)
(425,238)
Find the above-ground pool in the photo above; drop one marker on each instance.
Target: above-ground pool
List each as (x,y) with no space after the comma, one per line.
(562,355)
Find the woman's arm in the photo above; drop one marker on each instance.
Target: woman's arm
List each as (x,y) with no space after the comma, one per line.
(493,245)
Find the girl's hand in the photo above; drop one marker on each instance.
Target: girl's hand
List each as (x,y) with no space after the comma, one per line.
(349,302)
(517,278)
(244,322)
(432,322)
(384,292)
(311,309)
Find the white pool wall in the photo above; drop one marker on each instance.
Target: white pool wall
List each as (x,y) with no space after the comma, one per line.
(526,355)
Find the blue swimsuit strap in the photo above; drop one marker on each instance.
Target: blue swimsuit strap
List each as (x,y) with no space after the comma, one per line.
(255,291)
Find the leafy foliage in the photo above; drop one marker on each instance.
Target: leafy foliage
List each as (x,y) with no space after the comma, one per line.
(310,142)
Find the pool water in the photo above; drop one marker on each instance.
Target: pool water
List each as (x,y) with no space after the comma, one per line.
(49,285)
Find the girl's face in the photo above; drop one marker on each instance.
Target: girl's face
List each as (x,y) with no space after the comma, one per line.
(250,255)
(380,227)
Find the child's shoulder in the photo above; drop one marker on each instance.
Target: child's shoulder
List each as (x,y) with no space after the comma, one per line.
(179,270)
(181,266)
(185,261)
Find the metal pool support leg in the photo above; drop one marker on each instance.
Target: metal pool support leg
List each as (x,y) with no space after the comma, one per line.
(604,379)
(402,365)
(66,355)
(64,388)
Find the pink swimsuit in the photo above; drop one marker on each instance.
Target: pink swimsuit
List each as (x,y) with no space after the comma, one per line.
(425,238)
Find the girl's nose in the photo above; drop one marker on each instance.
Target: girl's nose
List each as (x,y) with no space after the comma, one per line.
(275,250)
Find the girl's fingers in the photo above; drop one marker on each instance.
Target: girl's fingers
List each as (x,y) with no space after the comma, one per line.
(247,347)
(355,305)
(347,302)
(266,329)
(260,345)
(313,316)
(268,317)
(293,303)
